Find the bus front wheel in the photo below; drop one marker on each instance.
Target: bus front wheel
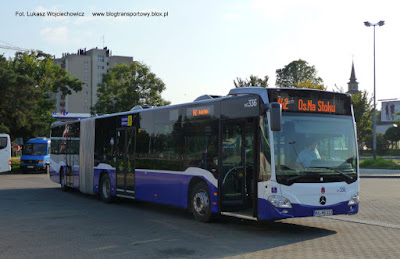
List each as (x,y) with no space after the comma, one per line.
(105,188)
(200,202)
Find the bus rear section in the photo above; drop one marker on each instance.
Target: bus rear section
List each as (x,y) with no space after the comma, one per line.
(5,153)
(35,155)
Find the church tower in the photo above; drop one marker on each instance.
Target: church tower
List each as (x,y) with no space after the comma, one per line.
(353,84)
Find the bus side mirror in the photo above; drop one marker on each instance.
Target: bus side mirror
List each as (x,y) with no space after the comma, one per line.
(276,116)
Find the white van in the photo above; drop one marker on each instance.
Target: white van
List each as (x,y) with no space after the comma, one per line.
(5,153)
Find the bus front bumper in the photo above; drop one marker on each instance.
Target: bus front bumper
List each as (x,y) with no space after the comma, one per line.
(27,167)
(266,211)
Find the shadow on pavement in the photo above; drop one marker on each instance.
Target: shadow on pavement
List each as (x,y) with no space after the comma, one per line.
(84,218)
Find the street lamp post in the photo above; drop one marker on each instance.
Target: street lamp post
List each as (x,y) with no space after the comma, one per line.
(368,24)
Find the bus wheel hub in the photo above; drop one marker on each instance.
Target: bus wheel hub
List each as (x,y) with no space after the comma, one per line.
(200,202)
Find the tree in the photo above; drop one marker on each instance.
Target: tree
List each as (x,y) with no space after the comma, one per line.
(48,77)
(381,143)
(392,135)
(17,100)
(126,86)
(363,112)
(26,85)
(308,84)
(253,81)
(295,73)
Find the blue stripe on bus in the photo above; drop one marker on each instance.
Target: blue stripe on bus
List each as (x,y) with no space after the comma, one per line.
(160,187)
(96,180)
(54,176)
(267,211)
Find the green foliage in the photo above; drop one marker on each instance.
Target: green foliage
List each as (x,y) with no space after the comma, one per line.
(392,152)
(253,81)
(295,73)
(126,86)
(26,85)
(392,135)
(308,84)
(382,144)
(48,77)
(379,163)
(15,165)
(363,112)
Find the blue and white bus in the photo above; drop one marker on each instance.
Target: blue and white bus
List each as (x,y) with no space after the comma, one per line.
(238,155)
(5,153)
(35,155)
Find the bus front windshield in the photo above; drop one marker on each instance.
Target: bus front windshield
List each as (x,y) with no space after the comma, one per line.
(36,149)
(315,148)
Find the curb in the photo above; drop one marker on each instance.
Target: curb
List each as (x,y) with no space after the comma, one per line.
(379,168)
(380,176)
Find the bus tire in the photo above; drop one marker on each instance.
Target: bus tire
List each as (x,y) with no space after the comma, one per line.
(200,202)
(62,181)
(105,188)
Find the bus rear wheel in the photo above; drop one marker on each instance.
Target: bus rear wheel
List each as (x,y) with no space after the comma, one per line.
(105,188)
(201,203)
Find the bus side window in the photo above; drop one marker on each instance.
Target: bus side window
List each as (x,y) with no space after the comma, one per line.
(3,142)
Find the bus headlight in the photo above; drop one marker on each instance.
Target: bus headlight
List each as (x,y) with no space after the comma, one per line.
(279,201)
(354,200)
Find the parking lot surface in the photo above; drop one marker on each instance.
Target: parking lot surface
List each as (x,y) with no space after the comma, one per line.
(39,220)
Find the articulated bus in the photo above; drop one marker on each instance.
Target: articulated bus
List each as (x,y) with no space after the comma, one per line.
(257,153)
(5,153)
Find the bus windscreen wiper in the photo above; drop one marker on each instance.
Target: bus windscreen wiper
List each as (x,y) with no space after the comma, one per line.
(302,175)
(335,169)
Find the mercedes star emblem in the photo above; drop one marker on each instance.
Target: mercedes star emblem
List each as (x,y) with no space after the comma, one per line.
(322,200)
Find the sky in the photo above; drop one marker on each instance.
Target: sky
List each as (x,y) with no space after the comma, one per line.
(200,47)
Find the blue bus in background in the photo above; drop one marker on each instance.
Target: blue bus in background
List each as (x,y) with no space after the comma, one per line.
(35,155)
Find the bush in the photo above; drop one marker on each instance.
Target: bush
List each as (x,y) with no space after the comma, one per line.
(382,144)
(379,163)
(393,152)
(15,162)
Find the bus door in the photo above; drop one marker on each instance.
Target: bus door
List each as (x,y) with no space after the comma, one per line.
(237,178)
(69,162)
(125,166)
(233,171)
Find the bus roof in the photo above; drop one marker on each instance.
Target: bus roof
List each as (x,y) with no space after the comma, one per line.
(204,99)
(39,140)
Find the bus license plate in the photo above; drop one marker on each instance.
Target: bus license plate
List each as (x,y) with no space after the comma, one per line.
(319,213)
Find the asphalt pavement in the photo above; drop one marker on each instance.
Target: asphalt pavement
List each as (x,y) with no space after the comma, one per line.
(38,220)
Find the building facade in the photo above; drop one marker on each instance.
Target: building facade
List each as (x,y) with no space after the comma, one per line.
(389,115)
(390,110)
(89,67)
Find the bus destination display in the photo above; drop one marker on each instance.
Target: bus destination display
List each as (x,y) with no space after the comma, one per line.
(309,105)
(200,111)
(311,101)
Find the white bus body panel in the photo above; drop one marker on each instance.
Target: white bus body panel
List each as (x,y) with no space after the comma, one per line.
(5,155)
